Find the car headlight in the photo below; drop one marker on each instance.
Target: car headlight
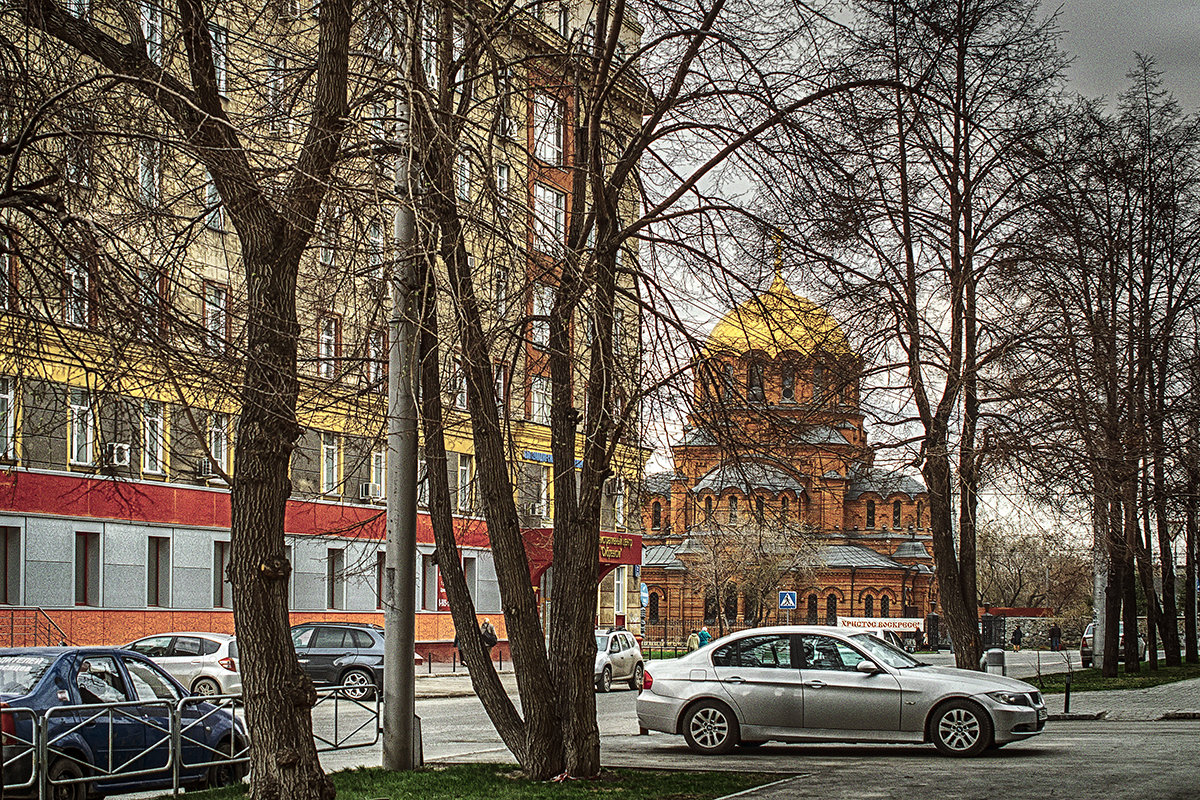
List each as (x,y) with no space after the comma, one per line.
(1010,698)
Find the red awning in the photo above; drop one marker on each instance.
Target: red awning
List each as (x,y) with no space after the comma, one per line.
(615,549)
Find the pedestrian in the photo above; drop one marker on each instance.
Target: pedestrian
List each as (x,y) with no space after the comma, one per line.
(1017,635)
(704,636)
(488,634)
(1055,637)
(693,641)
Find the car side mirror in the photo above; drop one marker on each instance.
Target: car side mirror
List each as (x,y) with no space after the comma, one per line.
(867,667)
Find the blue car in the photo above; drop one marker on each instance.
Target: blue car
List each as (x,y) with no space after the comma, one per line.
(109,716)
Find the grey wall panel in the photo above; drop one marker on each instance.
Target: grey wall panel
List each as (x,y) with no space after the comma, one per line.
(191,587)
(125,544)
(192,548)
(487,584)
(50,561)
(361,576)
(308,574)
(124,585)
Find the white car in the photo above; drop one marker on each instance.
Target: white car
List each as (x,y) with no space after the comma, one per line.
(206,663)
(800,683)
(618,658)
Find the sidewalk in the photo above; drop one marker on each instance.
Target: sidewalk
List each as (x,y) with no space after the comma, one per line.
(443,681)
(1179,700)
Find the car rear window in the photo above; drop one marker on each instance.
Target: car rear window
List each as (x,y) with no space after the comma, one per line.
(233,651)
(362,640)
(19,674)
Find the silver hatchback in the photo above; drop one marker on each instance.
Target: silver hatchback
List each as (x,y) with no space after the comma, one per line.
(809,683)
(618,657)
(206,663)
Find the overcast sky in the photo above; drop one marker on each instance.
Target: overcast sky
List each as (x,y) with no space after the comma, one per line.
(1103,35)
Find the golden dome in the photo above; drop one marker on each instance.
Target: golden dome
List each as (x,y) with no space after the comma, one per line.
(777,321)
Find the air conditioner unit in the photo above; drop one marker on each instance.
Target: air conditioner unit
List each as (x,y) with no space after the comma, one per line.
(116,454)
(204,469)
(369,491)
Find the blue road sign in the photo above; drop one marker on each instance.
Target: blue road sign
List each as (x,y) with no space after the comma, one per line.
(787,601)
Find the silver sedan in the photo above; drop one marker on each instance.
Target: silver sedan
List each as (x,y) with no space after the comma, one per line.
(810,683)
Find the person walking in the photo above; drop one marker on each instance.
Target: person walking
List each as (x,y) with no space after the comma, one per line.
(693,641)
(1055,637)
(488,634)
(1017,635)
(705,636)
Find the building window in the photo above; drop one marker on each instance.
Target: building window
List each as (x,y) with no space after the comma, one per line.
(460,386)
(831,605)
(377,357)
(819,387)
(376,249)
(152,436)
(214,214)
(10,566)
(462,178)
(733,508)
(708,509)
(220,53)
(868,606)
(885,606)
(783,507)
(158,571)
(80,9)
(896,514)
(920,512)
(430,41)
(222,591)
(731,596)
(149,164)
(811,610)
(788,383)
(152,319)
(379,469)
(619,502)
(277,68)
(549,219)
(870,513)
(619,590)
(548,129)
(759,507)
(656,515)
(653,609)
(81,426)
(77,298)
(466,483)
(329,343)
(216,318)
(77,153)
(503,178)
(470,575)
(500,387)
(218,440)
(8,420)
(545,478)
(87,569)
(380,567)
(543,302)
(422,482)
(335,577)
(329,463)
(754,383)
(540,400)
(429,583)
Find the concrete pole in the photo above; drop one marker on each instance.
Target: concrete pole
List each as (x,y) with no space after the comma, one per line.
(401,730)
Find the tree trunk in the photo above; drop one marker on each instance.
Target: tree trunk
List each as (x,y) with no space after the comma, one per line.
(963,623)
(278,695)
(1189,576)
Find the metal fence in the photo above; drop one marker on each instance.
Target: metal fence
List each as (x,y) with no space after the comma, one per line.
(172,738)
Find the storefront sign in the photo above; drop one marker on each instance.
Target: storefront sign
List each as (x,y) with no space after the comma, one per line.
(883,623)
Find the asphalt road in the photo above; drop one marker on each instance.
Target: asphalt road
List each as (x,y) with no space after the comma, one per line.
(1071,759)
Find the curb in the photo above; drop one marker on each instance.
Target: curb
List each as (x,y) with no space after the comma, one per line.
(1180,715)
(1074,717)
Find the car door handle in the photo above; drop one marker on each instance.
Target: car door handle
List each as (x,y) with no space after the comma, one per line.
(814,684)
(735,679)
(302,660)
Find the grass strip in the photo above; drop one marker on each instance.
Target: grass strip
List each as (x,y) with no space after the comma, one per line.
(1090,680)
(505,782)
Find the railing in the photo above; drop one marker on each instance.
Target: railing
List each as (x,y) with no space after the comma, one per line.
(31,626)
(176,734)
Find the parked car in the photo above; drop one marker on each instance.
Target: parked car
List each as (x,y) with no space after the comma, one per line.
(1086,642)
(207,663)
(132,737)
(618,657)
(811,683)
(341,654)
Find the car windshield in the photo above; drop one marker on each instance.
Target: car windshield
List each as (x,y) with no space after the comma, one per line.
(883,653)
(601,641)
(19,674)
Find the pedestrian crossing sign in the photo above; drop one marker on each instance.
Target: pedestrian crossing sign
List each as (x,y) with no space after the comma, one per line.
(787,601)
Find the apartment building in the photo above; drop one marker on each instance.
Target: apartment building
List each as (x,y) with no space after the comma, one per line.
(120,357)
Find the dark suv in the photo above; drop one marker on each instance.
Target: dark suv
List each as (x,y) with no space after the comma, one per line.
(341,654)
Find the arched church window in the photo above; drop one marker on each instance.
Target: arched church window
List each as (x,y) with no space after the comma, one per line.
(750,608)
(868,606)
(885,606)
(656,515)
(811,616)
(733,508)
(754,383)
(895,513)
(920,512)
(819,383)
(652,613)
(708,509)
(870,513)
(831,610)
(710,606)
(759,507)
(731,595)
(787,383)
(783,507)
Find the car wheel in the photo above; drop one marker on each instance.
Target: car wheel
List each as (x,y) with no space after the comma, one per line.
(635,681)
(226,774)
(710,728)
(206,687)
(961,728)
(63,769)
(359,684)
(604,684)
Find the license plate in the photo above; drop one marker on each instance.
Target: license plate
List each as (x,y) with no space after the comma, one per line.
(1042,714)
